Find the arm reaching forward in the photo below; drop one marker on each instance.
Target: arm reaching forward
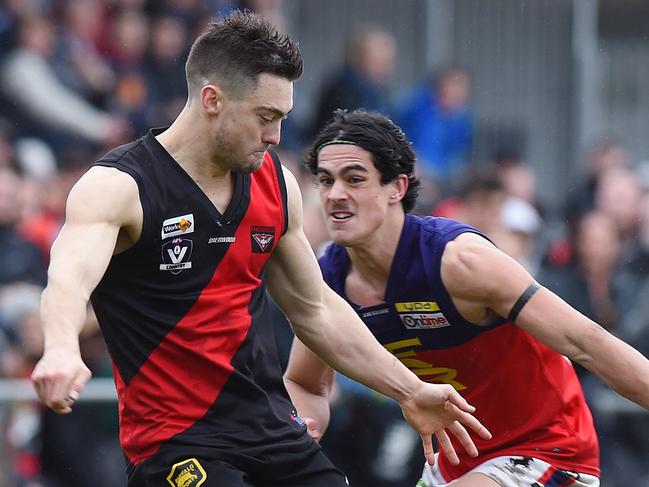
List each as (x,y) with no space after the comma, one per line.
(480,277)
(326,324)
(103,202)
(308,381)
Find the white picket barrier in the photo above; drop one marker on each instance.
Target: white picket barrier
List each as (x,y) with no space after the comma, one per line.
(96,390)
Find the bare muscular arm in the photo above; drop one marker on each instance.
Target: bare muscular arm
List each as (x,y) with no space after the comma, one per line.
(308,381)
(103,203)
(481,278)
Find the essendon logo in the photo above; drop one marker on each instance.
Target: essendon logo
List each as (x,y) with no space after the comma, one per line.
(262,239)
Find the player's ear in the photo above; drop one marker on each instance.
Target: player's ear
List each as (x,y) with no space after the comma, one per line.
(400,188)
(212,99)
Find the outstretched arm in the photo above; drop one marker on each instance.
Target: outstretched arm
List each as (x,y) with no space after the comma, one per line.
(326,324)
(308,381)
(482,277)
(101,203)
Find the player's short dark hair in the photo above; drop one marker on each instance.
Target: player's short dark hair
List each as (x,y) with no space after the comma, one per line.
(234,50)
(392,154)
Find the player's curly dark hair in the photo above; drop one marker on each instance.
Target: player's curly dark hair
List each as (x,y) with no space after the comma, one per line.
(392,154)
(234,50)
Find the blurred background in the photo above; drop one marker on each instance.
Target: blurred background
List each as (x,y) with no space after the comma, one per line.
(529,117)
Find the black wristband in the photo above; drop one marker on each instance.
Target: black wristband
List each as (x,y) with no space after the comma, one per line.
(522,301)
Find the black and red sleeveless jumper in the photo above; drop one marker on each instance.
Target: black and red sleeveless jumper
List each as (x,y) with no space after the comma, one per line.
(186,319)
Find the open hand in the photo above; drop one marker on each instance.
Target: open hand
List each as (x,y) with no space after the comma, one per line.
(436,409)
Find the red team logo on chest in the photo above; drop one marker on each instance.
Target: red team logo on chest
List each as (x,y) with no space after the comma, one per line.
(262,239)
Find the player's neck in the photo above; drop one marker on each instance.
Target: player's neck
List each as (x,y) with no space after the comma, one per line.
(188,145)
(372,259)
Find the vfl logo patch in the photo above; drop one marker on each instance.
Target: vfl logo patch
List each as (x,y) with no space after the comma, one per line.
(178,225)
(187,473)
(262,239)
(176,254)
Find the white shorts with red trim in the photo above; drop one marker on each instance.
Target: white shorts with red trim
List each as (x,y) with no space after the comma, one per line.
(515,471)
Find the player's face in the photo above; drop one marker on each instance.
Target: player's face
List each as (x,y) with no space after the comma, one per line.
(247,127)
(354,202)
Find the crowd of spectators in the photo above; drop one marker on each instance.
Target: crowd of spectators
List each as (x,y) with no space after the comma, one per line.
(80,76)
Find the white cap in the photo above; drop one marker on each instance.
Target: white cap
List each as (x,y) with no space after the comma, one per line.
(520,216)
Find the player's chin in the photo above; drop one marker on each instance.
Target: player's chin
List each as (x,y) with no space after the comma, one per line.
(254,162)
(341,236)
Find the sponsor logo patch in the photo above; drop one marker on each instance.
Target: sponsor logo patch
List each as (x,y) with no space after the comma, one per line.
(424,321)
(376,312)
(416,306)
(188,473)
(176,255)
(297,419)
(262,239)
(178,225)
(218,240)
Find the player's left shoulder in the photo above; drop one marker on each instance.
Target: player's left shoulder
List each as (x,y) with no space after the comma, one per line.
(471,262)
(467,247)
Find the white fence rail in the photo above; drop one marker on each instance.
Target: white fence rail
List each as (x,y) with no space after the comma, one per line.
(103,390)
(97,390)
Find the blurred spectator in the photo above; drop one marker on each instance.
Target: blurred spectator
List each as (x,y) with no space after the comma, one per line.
(19,314)
(581,272)
(625,434)
(20,260)
(617,194)
(9,11)
(78,63)
(42,227)
(31,84)
(192,13)
(601,156)
(128,47)
(7,151)
(521,212)
(437,118)
(35,158)
(521,239)
(517,176)
(479,202)
(631,286)
(363,80)
(511,223)
(129,39)
(164,69)
(269,9)
(20,322)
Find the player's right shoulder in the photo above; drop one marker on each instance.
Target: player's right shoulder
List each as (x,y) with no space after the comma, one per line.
(104,193)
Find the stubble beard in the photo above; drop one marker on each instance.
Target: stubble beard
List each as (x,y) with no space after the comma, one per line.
(226,152)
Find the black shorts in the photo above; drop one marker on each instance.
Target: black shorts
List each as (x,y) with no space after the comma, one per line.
(307,469)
